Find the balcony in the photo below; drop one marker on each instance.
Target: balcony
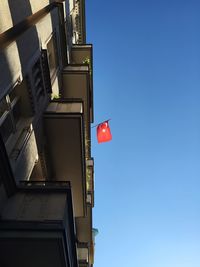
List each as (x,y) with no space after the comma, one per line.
(83,54)
(85,239)
(76,84)
(90,181)
(37,227)
(83,255)
(65,150)
(78,22)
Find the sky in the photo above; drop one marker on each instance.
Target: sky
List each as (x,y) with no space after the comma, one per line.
(147,179)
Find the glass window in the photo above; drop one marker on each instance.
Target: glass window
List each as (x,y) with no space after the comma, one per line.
(16,110)
(10,113)
(52,55)
(6,127)
(3,106)
(38,81)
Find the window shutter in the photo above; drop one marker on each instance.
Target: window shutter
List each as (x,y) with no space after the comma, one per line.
(46,72)
(38,81)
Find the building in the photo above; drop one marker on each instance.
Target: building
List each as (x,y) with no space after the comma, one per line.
(46,109)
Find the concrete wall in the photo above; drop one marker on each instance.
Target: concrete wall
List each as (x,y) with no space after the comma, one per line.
(17,59)
(14,11)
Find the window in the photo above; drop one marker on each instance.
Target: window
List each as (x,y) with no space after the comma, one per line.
(52,53)
(6,126)
(16,111)
(38,81)
(12,108)
(9,116)
(46,72)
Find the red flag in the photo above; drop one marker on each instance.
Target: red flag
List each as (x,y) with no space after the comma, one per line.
(103,132)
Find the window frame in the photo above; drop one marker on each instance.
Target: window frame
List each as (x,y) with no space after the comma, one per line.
(53,73)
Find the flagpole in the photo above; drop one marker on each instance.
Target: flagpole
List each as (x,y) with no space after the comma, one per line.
(100,123)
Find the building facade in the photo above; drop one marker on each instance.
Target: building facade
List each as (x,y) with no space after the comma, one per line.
(46,109)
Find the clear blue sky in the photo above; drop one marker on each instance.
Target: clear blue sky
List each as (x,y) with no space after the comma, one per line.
(147,179)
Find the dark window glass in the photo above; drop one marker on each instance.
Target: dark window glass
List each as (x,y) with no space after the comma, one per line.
(12,95)
(6,128)
(16,111)
(52,55)
(3,106)
(46,71)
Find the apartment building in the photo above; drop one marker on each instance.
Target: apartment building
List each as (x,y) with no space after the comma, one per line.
(46,109)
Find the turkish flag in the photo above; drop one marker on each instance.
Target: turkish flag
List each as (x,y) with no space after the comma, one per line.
(103,132)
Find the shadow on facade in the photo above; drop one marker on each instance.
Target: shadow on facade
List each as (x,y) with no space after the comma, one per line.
(28,42)
(16,58)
